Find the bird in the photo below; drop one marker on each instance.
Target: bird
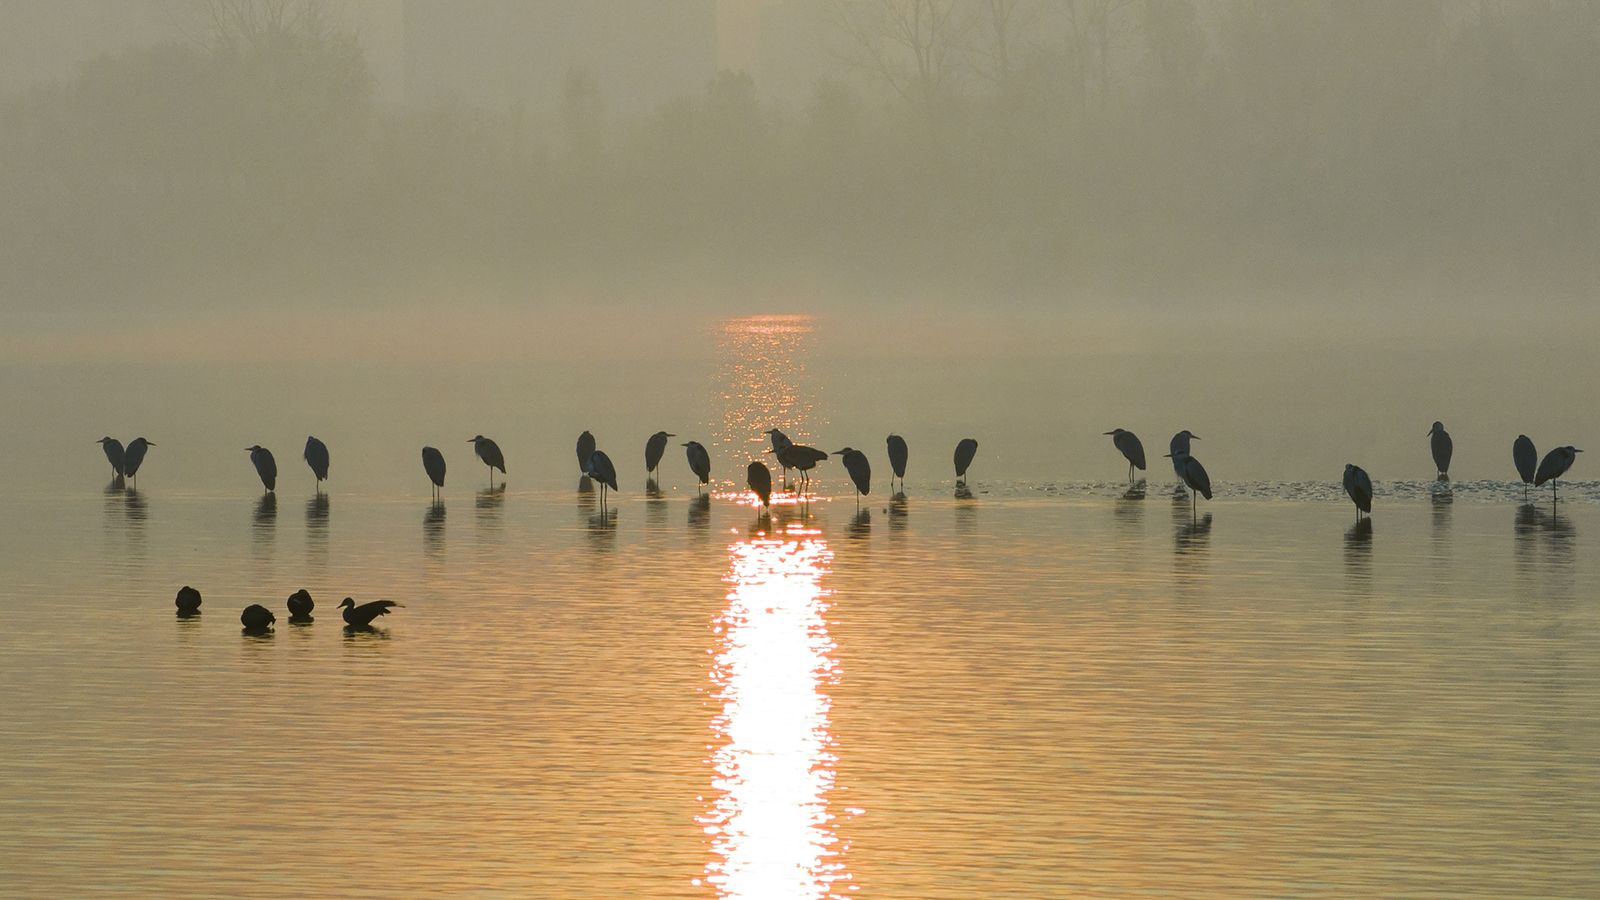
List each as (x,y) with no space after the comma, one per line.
(1554,465)
(855,462)
(965,450)
(266,466)
(301,605)
(362,616)
(257,618)
(759,477)
(1442,448)
(1527,460)
(489,452)
(585,450)
(133,457)
(317,458)
(1128,443)
(113,448)
(601,470)
(897,460)
(1359,487)
(699,461)
(433,464)
(653,449)
(779,441)
(188,602)
(1180,444)
(1194,475)
(801,458)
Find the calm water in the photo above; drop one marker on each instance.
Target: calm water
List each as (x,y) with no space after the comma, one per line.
(1048,688)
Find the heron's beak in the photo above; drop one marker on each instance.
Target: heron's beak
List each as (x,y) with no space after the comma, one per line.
(1167,455)
(1108,432)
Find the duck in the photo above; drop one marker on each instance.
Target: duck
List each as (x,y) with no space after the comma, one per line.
(362,616)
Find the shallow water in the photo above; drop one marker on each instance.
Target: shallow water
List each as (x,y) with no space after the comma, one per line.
(1040,688)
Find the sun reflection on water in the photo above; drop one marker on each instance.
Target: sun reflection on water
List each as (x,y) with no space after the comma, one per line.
(762,385)
(772,835)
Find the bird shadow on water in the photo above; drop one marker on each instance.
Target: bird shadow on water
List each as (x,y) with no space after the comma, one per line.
(700,514)
(1358,558)
(860,526)
(899,513)
(655,504)
(263,522)
(1544,552)
(364,635)
(433,528)
(317,527)
(603,528)
(490,503)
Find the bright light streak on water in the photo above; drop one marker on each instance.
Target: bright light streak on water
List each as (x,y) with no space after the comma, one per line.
(762,375)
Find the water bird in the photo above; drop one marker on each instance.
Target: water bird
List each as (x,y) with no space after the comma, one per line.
(585,450)
(1555,464)
(1128,442)
(1359,487)
(188,602)
(965,450)
(316,456)
(301,605)
(897,459)
(699,461)
(1180,444)
(1442,448)
(855,462)
(653,449)
(1194,475)
(1527,460)
(362,616)
(266,466)
(601,470)
(489,452)
(113,448)
(433,464)
(779,441)
(257,618)
(133,457)
(801,458)
(759,477)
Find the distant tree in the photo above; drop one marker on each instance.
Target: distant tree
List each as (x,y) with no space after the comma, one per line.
(916,47)
(581,112)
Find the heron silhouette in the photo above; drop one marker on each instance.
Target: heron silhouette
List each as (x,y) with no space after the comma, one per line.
(317,458)
(1554,465)
(133,458)
(1526,459)
(897,460)
(433,464)
(301,605)
(1128,442)
(855,463)
(1194,475)
(362,616)
(188,602)
(585,450)
(759,477)
(779,441)
(489,452)
(257,619)
(1442,448)
(653,449)
(1359,487)
(266,466)
(1180,445)
(699,462)
(802,459)
(113,449)
(965,451)
(601,470)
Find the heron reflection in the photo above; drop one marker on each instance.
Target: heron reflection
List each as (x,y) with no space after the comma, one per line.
(1193,536)
(1358,553)
(700,513)
(433,527)
(491,502)
(861,523)
(266,512)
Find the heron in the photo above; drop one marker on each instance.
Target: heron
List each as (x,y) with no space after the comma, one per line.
(1194,475)
(317,458)
(1180,444)
(133,457)
(1128,442)
(601,470)
(585,450)
(1527,460)
(433,464)
(855,462)
(965,450)
(1555,464)
(266,466)
(188,602)
(362,616)
(113,448)
(489,452)
(699,461)
(897,460)
(801,458)
(653,449)
(759,477)
(1442,447)
(1359,487)
(256,618)
(779,441)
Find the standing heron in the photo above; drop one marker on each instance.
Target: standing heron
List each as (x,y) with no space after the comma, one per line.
(1194,475)
(1442,448)
(362,616)
(1359,487)
(585,450)
(113,448)
(779,442)
(1128,442)
(965,450)
(759,477)
(1180,445)
(266,466)
(433,464)
(489,452)
(855,462)
(1527,460)
(653,449)
(1555,464)
(601,470)
(699,461)
(317,458)
(133,457)
(802,459)
(897,460)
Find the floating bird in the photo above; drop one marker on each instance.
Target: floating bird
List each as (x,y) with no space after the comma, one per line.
(1194,475)
(1128,443)
(113,448)
(362,616)
(601,470)
(965,450)
(1442,447)
(699,461)
(653,449)
(266,466)
(257,618)
(897,460)
(585,450)
(1180,444)
(301,605)
(1555,464)
(489,452)
(779,441)
(433,464)
(188,602)
(317,458)
(133,457)
(1527,460)
(855,462)
(759,477)
(801,458)
(1359,487)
